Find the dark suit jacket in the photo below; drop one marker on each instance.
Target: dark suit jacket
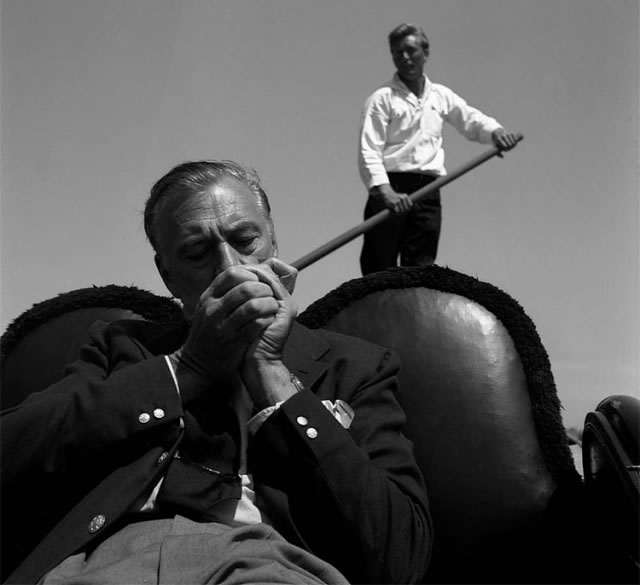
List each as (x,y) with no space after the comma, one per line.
(80,450)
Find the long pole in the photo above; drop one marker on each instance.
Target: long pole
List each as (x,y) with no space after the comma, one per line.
(382,216)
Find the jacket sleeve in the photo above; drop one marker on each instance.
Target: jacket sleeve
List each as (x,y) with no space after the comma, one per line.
(59,443)
(356,496)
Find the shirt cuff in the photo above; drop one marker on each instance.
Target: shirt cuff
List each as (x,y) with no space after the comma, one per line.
(173,374)
(175,383)
(377,178)
(256,421)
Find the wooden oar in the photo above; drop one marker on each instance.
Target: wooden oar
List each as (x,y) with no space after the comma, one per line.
(382,216)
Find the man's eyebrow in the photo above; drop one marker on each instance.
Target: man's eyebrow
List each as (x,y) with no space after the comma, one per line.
(243,224)
(189,243)
(194,235)
(188,236)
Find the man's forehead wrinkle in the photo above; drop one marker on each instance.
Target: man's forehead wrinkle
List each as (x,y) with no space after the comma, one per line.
(204,220)
(223,209)
(224,220)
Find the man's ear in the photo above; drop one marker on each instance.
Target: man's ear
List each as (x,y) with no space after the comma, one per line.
(165,275)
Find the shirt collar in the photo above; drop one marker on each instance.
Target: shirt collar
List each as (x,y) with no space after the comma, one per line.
(400,85)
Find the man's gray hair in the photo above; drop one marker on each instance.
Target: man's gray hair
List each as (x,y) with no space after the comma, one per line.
(404,30)
(196,177)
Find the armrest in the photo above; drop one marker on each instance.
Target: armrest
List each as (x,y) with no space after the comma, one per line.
(611,460)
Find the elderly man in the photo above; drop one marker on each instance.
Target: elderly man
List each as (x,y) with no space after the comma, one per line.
(400,151)
(237,447)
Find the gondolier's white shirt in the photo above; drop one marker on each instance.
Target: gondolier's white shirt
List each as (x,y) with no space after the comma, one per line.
(401,132)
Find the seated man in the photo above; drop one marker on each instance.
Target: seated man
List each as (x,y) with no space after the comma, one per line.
(237,447)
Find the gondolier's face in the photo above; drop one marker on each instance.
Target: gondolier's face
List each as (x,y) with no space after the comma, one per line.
(409,57)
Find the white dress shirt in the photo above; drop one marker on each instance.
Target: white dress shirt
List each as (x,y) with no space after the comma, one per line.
(401,132)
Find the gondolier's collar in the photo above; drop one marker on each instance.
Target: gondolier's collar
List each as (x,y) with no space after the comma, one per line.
(399,85)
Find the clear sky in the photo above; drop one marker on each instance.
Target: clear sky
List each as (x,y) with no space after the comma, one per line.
(101,97)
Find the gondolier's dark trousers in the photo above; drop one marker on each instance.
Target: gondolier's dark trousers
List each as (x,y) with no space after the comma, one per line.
(414,236)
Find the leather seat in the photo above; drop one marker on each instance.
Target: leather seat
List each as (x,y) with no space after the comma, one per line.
(482,411)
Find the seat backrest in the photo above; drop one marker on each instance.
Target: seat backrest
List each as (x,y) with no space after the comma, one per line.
(37,345)
(482,410)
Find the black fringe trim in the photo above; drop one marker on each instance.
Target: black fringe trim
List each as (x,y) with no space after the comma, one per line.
(148,305)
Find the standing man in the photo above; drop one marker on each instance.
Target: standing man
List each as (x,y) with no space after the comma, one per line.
(236,447)
(401,151)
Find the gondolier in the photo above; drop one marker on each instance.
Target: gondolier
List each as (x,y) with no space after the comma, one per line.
(400,151)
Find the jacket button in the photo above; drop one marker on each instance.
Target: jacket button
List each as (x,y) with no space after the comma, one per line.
(97,522)
(144,418)
(158,413)
(312,433)
(162,457)
(302,421)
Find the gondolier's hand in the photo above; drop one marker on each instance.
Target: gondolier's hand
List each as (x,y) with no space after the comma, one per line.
(503,139)
(397,202)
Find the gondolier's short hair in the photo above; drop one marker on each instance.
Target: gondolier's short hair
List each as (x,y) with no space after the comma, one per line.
(404,30)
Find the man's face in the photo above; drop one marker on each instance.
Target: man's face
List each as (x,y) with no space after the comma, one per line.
(199,236)
(409,58)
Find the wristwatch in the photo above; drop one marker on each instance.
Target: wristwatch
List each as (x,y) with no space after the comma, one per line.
(296,382)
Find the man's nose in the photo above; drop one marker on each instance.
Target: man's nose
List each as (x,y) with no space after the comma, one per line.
(227,257)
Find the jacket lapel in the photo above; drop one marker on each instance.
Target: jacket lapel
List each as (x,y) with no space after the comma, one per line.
(302,354)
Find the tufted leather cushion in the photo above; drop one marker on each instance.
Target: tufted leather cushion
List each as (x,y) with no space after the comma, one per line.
(469,413)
